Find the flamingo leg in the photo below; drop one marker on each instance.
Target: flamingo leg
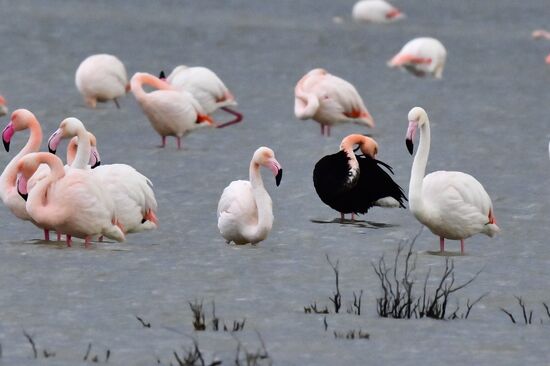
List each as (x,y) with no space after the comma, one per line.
(342,216)
(322,130)
(178,139)
(441,244)
(328,131)
(58,236)
(116,103)
(163,143)
(238,117)
(87,241)
(46,235)
(352,217)
(68,240)
(462,246)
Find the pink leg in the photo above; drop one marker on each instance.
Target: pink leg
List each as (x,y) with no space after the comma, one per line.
(238,117)
(68,240)
(87,242)
(462,246)
(163,144)
(441,244)
(46,235)
(178,139)
(58,236)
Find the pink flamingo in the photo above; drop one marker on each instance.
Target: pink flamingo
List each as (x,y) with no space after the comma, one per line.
(171,112)
(421,56)
(375,11)
(72,148)
(100,78)
(3,106)
(72,202)
(329,100)
(542,34)
(207,88)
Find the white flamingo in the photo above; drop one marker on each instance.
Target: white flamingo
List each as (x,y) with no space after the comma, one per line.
(421,56)
(245,213)
(375,11)
(453,205)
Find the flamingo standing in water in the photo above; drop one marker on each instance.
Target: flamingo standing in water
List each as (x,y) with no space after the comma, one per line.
(542,34)
(207,88)
(130,190)
(3,106)
(453,205)
(72,202)
(375,11)
(329,100)
(245,212)
(353,184)
(421,56)
(171,112)
(100,78)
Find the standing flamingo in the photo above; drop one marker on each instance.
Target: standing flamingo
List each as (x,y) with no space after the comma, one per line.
(130,190)
(375,11)
(207,88)
(453,205)
(3,106)
(171,112)
(72,202)
(421,56)
(353,184)
(329,100)
(245,212)
(100,78)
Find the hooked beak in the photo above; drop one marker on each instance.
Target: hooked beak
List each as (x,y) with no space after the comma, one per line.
(7,135)
(54,140)
(21,184)
(276,169)
(411,132)
(162,75)
(95,160)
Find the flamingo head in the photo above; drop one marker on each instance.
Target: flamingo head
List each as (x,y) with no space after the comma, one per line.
(69,127)
(417,118)
(162,75)
(94,160)
(3,107)
(25,169)
(264,156)
(20,120)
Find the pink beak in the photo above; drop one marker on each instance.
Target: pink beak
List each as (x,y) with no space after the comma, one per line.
(7,134)
(22,186)
(54,140)
(276,169)
(409,138)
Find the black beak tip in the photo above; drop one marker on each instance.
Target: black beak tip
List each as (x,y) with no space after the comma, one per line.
(410,146)
(51,150)
(97,163)
(162,75)
(278,177)
(6,145)
(24,196)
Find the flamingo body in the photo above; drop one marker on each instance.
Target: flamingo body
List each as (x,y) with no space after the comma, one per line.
(376,11)
(421,56)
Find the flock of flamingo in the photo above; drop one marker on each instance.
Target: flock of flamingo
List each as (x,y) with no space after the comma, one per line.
(87,200)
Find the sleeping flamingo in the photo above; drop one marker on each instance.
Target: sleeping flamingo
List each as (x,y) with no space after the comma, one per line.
(375,11)
(3,106)
(353,184)
(130,190)
(421,56)
(453,205)
(329,100)
(171,112)
(72,202)
(207,88)
(245,212)
(100,78)
(542,34)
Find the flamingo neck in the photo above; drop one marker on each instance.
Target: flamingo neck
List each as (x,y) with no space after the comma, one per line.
(39,202)
(8,177)
(137,82)
(306,105)
(418,170)
(263,204)
(83,150)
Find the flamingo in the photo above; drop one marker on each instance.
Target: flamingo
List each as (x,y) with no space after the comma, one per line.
(130,190)
(453,205)
(3,106)
(329,100)
(375,11)
(245,213)
(72,202)
(207,88)
(100,78)
(542,34)
(72,148)
(171,112)
(421,56)
(352,184)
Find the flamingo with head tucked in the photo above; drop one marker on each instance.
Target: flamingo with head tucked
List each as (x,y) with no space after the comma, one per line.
(375,11)
(72,202)
(245,212)
(171,112)
(421,56)
(100,78)
(329,100)
(453,205)
(207,88)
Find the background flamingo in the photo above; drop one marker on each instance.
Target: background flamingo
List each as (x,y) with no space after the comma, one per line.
(375,11)
(245,212)
(453,205)
(421,56)
(329,100)
(100,78)
(3,106)
(542,34)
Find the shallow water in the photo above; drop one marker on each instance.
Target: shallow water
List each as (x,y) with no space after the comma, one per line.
(489,118)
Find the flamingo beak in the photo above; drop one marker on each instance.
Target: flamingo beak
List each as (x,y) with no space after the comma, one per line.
(7,135)
(95,160)
(411,132)
(54,141)
(276,169)
(162,75)
(22,186)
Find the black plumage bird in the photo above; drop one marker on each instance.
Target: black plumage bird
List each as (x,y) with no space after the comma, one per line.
(353,184)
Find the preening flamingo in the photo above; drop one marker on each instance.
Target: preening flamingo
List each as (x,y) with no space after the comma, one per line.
(207,88)
(131,191)
(329,100)
(3,106)
(245,212)
(421,56)
(100,78)
(375,11)
(170,111)
(453,205)
(72,149)
(353,184)
(73,202)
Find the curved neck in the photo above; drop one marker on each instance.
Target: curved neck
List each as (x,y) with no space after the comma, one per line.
(71,150)
(33,145)
(38,203)
(83,150)
(147,79)
(418,170)
(306,104)
(263,203)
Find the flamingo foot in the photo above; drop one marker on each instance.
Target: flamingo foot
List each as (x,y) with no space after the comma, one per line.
(68,240)
(238,117)
(441,244)
(46,235)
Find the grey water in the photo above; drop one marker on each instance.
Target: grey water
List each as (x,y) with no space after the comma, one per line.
(489,117)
